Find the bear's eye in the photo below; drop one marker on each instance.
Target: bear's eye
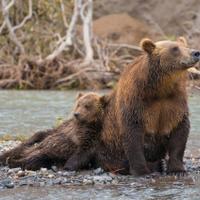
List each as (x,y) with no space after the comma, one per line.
(87,106)
(175,50)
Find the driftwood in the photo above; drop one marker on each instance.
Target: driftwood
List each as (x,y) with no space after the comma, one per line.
(90,62)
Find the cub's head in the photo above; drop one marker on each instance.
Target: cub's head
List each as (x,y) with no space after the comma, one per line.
(89,107)
(169,55)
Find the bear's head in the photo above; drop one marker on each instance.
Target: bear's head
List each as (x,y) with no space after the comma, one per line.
(170,56)
(89,107)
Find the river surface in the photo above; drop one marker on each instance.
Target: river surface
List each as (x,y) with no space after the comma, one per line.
(24,112)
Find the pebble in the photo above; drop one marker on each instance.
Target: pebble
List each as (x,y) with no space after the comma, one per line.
(23,183)
(31,173)
(43,170)
(21,173)
(7,183)
(69,173)
(54,168)
(87,181)
(98,171)
(57,181)
(10,185)
(51,176)
(102,179)
(14,170)
(42,184)
(64,180)
(60,173)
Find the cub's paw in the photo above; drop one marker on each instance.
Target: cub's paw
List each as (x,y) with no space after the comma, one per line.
(70,166)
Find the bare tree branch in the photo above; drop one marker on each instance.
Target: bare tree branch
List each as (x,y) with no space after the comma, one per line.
(9,5)
(29,16)
(69,35)
(12,34)
(2,26)
(86,16)
(134,47)
(63,13)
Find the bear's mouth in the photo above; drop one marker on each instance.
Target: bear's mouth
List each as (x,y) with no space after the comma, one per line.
(79,119)
(188,63)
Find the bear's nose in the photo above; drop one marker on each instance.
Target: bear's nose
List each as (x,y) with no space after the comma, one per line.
(196,54)
(76,114)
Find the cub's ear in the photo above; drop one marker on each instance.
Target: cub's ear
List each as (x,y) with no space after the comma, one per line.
(182,40)
(147,45)
(79,95)
(104,100)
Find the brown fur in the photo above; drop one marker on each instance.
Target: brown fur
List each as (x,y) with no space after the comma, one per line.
(149,110)
(71,144)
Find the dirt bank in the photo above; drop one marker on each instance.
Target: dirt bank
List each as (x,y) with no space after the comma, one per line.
(168,18)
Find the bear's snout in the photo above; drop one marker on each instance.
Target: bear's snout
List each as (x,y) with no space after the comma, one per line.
(76,114)
(196,54)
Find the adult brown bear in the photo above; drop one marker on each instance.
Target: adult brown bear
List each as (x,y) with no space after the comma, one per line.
(147,116)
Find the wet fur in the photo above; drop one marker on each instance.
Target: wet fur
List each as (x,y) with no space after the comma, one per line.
(56,146)
(71,145)
(150,111)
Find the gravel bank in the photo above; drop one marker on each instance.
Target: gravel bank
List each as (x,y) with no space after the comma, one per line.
(16,177)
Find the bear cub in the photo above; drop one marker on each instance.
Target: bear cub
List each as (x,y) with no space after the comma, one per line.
(71,145)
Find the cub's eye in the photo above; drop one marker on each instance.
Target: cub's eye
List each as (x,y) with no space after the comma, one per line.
(175,50)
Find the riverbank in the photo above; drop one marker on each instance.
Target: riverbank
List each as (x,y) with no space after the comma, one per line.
(38,110)
(16,177)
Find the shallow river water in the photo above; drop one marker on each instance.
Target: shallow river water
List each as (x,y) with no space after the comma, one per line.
(24,112)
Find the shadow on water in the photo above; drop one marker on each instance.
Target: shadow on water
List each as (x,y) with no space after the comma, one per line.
(25,112)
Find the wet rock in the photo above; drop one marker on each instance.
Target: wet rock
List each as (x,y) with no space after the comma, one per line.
(10,185)
(43,170)
(68,173)
(23,183)
(51,176)
(21,173)
(102,179)
(54,168)
(114,182)
(65,180)
(57,181)
(31,173)
(42,184)
(7,183)
(88,181)
(98,171)
(14,170)
(60,173)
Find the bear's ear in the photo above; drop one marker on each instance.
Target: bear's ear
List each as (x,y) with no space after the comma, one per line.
(79,95)
(104,100)
(147,45)
(182,40)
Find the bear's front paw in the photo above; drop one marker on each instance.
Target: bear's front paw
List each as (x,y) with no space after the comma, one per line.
(178,173)
(176,169)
